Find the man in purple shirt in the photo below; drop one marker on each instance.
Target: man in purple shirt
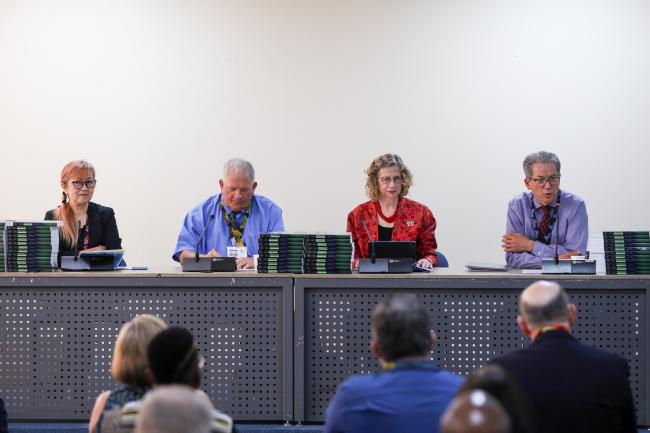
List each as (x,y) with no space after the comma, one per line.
(231,222)
(544,220)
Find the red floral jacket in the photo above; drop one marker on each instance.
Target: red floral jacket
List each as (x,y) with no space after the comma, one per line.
(413,222)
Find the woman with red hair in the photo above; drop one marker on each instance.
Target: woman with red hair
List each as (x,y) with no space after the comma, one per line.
(86,225)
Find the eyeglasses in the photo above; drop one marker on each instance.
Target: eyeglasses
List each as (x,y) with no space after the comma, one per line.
(387,180)
(541,181)
(78,184)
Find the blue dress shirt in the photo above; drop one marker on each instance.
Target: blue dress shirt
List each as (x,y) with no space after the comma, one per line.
(572,225)
(410,398)
(265,216)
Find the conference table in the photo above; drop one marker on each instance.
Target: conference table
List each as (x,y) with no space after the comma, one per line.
(277,345)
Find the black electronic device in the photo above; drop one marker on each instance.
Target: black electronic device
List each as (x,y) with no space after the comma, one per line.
(390,257)
(209,264)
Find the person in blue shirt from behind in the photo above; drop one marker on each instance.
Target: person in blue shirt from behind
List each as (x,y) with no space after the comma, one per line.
(232,220)
(411,393)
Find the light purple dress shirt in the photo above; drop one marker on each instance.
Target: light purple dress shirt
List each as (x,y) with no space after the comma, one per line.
(265,216)
(572,224)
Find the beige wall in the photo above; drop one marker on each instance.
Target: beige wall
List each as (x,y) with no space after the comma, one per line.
(158,94)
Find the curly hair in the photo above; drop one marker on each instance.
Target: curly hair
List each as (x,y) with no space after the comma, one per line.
(383,161)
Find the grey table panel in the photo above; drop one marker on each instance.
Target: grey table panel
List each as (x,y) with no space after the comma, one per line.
(473,317)
(57,336)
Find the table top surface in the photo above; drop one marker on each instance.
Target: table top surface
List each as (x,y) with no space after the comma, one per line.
(437,273)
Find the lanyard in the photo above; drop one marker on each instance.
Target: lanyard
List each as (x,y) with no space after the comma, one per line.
(537,235)
(236,230)
(553,327)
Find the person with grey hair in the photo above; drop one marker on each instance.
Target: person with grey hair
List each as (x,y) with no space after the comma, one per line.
(229,223)
(538,227)
(475,411)
(572,387)
(411,393)
(174,409)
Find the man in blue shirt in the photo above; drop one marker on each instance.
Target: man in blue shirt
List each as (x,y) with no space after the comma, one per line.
(544,217)
(412,393)
(232,221)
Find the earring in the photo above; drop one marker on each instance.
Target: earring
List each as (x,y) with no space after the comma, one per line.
(65,198)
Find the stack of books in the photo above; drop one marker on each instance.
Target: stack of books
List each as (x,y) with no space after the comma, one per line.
(2,246)
(328,254)
(627,252)
(280,252)
(31,246)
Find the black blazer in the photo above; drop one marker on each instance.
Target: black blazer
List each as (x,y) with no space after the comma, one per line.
(102,226)
(573,387)
(3,418)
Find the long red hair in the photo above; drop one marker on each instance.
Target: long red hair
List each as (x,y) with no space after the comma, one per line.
(79,169)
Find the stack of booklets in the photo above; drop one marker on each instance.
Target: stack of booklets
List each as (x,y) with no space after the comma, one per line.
(327,254)
(2,246)
(627,252)
(31,246)
(280,252)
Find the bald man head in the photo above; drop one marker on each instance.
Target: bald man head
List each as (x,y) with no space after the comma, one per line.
(475,411)
(544,303)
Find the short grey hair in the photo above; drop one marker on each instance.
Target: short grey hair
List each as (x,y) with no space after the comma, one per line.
(554,311)
(541,157)
(238,165)
(174,409)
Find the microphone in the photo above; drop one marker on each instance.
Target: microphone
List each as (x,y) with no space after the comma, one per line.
(76,247)
(205,227)
(373,257)
(557,232)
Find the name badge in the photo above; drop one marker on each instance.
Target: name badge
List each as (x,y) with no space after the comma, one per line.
(238,252)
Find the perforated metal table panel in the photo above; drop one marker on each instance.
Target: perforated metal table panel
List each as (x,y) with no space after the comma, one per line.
(57,333)
(473,316)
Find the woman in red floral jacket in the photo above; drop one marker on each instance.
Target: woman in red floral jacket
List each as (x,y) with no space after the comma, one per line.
(389,215)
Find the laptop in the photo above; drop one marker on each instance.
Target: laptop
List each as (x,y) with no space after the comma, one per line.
(393,249)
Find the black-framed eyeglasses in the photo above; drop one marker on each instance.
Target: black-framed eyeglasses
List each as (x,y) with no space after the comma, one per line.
(78,184)
(386,180)
(541,181)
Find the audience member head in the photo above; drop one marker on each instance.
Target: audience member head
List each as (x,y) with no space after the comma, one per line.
(173,409)
(544,303)
(475,412)
(174,358)
(130,365)
(499,384)
(381,171)
(401,328)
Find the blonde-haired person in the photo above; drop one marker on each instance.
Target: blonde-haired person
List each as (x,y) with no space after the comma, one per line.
(130,367)
(389,215)
(87,225)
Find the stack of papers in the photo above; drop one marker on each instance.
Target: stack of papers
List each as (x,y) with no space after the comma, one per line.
(280,252)
(328,254)
(627,252)
(31,246)
(486,267)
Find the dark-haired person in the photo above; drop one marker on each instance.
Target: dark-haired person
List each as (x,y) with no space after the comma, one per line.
(389,215)
(174,359)
(544,220)
(87,226)
(573,387)
(499,384)
(411,393)
(476,411)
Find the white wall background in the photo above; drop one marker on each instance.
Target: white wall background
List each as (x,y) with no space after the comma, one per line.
(159,94)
